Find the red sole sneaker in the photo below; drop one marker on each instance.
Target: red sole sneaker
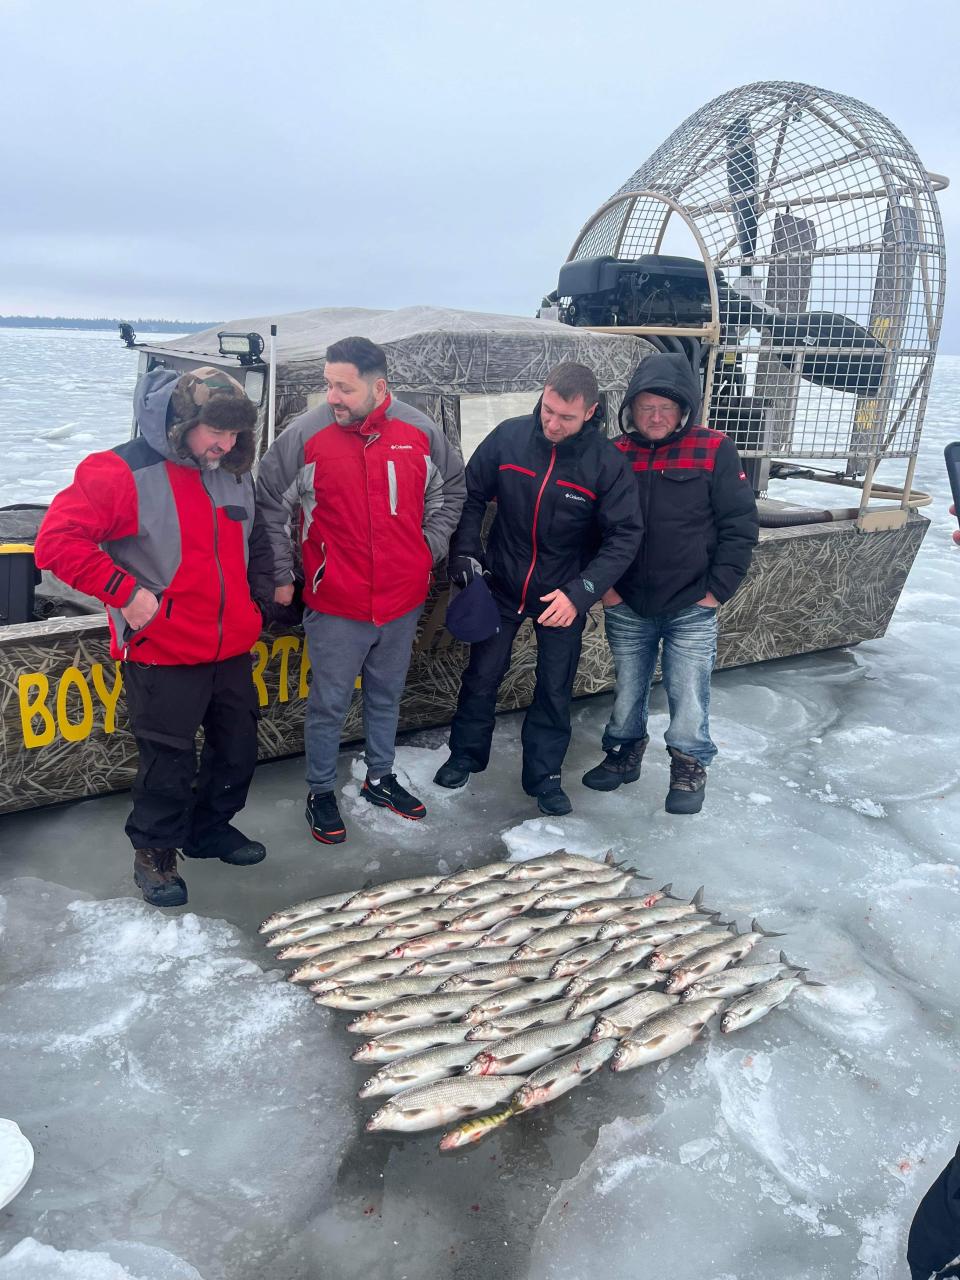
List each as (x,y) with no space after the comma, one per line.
(385,804)
(335,837)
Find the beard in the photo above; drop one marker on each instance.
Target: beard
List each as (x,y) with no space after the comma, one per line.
(209,464)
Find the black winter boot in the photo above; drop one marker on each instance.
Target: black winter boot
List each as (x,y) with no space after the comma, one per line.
(621,764)
(229,845)
(554,803)
(453,774)
(688,781)
(155,872)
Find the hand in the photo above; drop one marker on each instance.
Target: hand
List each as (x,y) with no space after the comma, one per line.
(462,570)
(284,594)
(709,601)
(561,613)
(956,532)
(611,597)
(141,608)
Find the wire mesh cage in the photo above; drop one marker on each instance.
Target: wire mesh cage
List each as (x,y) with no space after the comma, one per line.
(814,295)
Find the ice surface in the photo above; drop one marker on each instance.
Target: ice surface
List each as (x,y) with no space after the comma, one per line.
(181,1099)
(120,1260)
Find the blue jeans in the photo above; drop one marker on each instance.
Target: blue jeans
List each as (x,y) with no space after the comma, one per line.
(689,651)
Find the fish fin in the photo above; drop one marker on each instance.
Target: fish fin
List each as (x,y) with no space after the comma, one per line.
(757,928)
(785,959)
(697,899)
(609,859)
(652,1044)
(808,982)
(666,890)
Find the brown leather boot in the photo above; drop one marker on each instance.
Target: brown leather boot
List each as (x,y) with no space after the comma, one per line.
(155,871)
(688,781)
(621,764)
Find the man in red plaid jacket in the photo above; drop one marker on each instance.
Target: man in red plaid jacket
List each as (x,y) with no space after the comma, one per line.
(700,528)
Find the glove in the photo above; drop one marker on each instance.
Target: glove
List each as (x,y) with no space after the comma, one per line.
(463,569)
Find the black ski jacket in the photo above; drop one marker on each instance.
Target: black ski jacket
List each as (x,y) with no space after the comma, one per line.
(566,514)
(698,509)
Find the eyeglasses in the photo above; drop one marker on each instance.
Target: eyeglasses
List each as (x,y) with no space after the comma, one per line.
(654,411)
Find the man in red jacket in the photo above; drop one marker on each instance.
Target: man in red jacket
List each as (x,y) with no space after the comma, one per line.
(158,529)
(379,488)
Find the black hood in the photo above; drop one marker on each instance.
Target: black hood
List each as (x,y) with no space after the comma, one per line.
(664,374)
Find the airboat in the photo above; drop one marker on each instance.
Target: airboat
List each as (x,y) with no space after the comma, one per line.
(785,239)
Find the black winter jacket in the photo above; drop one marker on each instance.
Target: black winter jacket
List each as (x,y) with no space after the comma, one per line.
(566,514)
(698,509)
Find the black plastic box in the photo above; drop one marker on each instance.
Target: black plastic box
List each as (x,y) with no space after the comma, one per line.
(18,580)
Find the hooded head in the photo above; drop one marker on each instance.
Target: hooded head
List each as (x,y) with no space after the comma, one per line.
(169,405)
(669,376)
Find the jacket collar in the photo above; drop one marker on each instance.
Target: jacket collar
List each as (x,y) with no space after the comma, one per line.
(572,446)
(374,422)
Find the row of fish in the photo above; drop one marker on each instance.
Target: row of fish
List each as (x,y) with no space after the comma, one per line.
(482,989)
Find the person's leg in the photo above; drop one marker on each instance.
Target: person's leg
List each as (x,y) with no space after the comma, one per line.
(165,707)
(634,644)
(338,648)
(384,674)
(471,731)
(227,761)
(546,726)
(689,652)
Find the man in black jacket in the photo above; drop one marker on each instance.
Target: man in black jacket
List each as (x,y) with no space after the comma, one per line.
(700,527)
(566,528)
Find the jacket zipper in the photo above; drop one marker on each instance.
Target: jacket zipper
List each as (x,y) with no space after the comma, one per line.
(216,556)
(536,513)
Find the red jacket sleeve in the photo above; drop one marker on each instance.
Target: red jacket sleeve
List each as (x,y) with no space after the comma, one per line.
(100,504)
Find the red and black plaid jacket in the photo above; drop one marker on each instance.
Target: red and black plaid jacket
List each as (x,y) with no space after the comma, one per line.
(699,516)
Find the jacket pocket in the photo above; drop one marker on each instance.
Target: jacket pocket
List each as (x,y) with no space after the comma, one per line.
(392,485)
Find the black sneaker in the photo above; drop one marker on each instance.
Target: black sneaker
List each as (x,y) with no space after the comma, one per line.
(453,774)
(688,781)
(324,819)
(554,803)
(389,794)
(621,764)
(229,845)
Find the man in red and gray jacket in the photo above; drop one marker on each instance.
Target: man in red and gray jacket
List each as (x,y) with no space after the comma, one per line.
(158,529)
(379,489)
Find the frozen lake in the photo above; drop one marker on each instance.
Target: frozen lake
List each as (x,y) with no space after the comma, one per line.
(193,1115)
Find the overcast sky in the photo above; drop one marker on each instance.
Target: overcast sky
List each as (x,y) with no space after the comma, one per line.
(206,160)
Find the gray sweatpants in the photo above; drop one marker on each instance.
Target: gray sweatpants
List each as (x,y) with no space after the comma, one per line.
(340,650)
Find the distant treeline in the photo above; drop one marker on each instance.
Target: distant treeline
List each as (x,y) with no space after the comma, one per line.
(103,322)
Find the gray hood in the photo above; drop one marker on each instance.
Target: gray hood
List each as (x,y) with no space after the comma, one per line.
(150,401)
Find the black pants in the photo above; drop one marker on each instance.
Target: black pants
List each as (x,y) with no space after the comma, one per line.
(935,1233)
(174,803)
(546,726)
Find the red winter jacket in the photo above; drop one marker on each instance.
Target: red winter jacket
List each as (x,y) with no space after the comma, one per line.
(379,501)
(138,517)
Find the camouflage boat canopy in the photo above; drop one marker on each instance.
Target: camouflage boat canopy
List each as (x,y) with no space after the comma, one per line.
(429,349)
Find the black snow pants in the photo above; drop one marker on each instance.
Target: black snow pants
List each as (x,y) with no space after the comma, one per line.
(934,1239)
(173,803)
(546,726)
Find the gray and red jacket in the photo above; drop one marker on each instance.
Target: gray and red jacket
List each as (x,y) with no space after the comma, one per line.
(143,515)
(378,503)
